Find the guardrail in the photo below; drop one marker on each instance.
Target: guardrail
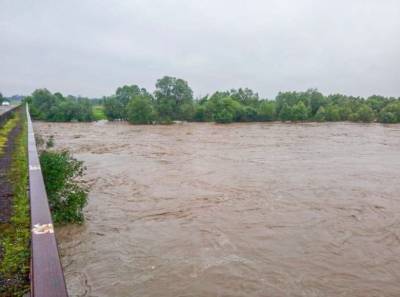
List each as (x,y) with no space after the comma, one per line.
(7,114)
(47,278)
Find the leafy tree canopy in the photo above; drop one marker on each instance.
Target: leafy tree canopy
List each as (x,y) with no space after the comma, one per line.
(140,110)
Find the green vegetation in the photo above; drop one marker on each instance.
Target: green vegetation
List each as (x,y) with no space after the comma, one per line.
(66,194)
(115,107)
(390,113)
(140,110)
(46,106)
(16,234)
(173,101)
(5,130)
(98,113)
(1,98)
(173,97)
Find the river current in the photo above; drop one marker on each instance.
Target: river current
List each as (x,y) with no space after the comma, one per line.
(201,209)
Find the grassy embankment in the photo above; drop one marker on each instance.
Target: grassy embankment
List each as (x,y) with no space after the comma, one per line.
(98,113)
(15,235)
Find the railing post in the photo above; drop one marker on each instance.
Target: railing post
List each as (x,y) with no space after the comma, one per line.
(47,278)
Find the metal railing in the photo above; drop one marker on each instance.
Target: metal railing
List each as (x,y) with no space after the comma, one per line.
(4,116)
(47,278)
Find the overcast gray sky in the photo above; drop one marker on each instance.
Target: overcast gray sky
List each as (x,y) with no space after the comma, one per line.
(90,47)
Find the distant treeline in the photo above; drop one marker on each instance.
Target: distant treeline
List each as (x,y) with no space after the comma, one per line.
(173,101)
(55,107)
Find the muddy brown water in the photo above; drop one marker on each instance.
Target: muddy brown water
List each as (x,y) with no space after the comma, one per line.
(235,210)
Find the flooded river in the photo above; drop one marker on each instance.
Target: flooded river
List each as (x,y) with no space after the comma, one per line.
(234,210)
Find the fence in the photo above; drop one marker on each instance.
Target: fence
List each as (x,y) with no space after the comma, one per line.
(47,278)
(8,114)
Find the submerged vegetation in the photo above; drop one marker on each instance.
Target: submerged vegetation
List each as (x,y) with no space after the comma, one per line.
(15,235)
(173,100)
(66,194)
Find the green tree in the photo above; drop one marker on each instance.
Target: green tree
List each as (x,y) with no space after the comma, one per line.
(1,98)
(223,116)
(245,96)
(56,108)
(140,110)
(285,113)
(316,101)
(226,110)
(377,103)
(311,99)
(299,112)
(115,106)
(171,93)
(42,102)
(345,111)
(187,111)
(127,92)
(266,111)
(332,113)
(285,100)
(114,109)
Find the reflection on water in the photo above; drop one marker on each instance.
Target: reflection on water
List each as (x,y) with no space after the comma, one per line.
(235,210)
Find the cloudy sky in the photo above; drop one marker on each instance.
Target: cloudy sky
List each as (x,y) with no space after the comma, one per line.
(90,47)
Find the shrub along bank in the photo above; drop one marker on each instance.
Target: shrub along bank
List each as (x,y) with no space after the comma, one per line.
(62,175)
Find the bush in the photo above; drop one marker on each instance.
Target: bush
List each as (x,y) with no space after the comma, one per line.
(387,117)
(364,114)
(67,195)
(249,114)
(332,113)
(223,116)
(226,110)
(391,113)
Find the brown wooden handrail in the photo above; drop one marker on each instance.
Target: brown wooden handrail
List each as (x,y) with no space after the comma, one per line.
(47,278)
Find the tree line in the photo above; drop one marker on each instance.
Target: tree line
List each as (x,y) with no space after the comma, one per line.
(173,100)
(46,106)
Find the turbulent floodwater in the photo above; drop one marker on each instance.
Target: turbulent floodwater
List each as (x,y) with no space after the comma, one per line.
(235,210)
